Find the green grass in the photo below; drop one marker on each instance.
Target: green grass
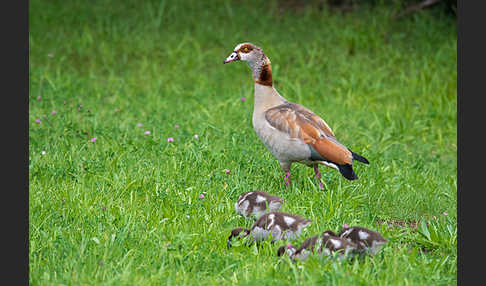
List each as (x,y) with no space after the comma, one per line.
(125,210)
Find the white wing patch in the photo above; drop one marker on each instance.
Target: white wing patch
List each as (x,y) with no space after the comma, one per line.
(260,199)
(289,220)
(329,164)
(335,242)
(363,234)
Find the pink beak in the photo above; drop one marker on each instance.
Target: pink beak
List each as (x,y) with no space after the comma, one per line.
(233,57)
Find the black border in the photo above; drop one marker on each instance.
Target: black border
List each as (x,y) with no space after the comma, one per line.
(15,143)
(470,125)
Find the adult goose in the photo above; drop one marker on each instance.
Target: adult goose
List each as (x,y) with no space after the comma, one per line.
(290,131)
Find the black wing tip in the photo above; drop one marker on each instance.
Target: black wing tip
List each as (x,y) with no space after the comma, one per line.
(348,172)
(360,158)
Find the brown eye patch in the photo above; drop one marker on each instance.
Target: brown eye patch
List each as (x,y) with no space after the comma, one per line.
(246,48)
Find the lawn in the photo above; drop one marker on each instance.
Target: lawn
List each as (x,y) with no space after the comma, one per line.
(113,202)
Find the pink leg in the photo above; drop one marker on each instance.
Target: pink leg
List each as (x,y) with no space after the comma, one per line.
(287,179)
(318,176)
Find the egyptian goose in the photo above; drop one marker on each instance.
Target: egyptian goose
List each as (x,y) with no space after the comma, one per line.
(368,241)
(291,132)
(326,244)
(281,225)
(255,203)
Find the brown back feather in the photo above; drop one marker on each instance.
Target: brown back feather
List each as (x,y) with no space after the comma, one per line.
(300,122)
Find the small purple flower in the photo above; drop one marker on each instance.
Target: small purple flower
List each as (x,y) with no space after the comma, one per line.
(290,246)
(38,121)
(196,136)
(53,112)
(201,196)
(146,132)
(50,55)
(176,126)
(445,213)
(243,99)
(170,139)
(345,225)
(227,171)
(139,124)
(39,97)
(93,139)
